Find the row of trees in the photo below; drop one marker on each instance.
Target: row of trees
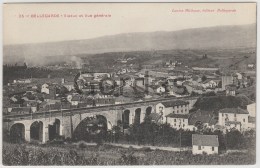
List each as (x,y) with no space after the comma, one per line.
(150,133)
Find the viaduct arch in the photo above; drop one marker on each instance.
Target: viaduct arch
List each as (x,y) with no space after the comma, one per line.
(64,124)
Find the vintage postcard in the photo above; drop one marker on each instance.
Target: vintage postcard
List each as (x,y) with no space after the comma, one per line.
(129,84)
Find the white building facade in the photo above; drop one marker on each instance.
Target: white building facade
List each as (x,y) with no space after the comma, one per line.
(207,144)
(172,107)
(233,118)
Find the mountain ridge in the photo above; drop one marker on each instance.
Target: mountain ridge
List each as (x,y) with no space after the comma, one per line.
(195,38)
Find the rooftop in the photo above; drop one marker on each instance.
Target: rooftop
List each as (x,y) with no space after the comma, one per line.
(172,115)
(76,98)
(233,110)
(205,140)
(209,80)
(233,122)
(231,87)
(155,116)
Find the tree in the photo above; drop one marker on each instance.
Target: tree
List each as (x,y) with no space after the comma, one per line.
(194,94)
(219,84)
(116,130)
(203,78)
(217,72)
(235,139)
(199,126)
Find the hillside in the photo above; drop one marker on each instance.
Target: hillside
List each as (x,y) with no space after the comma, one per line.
(219,102)
(219,37)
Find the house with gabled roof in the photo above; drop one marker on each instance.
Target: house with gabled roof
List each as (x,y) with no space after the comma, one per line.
(233,118)
(204,144)
(210,83)
(69,85)
(76,99)
(176,107)
(231,90)
(178,121)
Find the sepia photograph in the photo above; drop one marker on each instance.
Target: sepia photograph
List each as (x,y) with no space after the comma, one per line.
(129,84)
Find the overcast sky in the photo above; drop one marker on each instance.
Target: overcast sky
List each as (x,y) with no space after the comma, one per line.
(125,18)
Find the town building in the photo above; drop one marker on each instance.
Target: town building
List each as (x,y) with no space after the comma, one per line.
(175,107)
(178,121)
(233,118)
(251,109)
(160,89)
(45,88)
(104,101)
(210,83)
(25,81)
(207,144)
(75,100)
(251,122)
(204,69)
(231,90)
(226,80)
(68,85)
(250,66)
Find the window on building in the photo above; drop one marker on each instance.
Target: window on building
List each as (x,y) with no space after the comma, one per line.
(235,115)
(222,115)
(174,120)
(174,124)
(183,125)
(244,120)
(183,120)
(212,148)
(199,147)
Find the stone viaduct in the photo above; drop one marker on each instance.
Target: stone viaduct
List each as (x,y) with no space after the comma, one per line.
(64,122)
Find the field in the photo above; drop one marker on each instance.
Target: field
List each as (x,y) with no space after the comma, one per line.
(82,154)
(189,57)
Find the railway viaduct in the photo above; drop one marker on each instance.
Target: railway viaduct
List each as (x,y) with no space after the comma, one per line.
(64,122)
